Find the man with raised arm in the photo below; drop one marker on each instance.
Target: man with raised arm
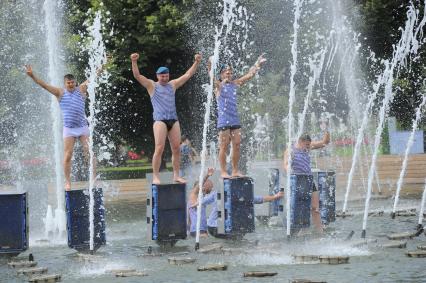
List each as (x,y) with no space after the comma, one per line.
(166,124)
(228,121)
(301,164)
(71,100)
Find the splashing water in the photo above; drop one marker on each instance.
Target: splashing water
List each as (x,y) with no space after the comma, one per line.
(407,45)
(315,66)
(97,58)
(55,223)
(293,69)
(407,151)
(228,17)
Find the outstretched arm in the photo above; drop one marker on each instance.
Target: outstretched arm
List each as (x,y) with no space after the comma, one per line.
(145,82)
(53,90)
(253,70)
(210,172)
(322,143)
(83,85)
(177,83)
(216,83)
(274,197)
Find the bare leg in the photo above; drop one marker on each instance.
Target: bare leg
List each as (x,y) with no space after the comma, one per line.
(84,140)
(160,134)
(224,139)
(316,216)
(68,151)
(236,142)
(174,139)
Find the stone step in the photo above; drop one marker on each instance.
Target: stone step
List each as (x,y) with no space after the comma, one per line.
(131,274)
(395,244)
(213,267)
(403,235)
(416,254)
(32,271)
(50,278)
(22,264)
(259,274)
(306,258)
(334,259)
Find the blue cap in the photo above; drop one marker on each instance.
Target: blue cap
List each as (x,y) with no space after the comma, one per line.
(162,70)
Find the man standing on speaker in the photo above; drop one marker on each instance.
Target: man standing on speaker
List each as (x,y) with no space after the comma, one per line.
(166,124)
(228,121)
(72,99)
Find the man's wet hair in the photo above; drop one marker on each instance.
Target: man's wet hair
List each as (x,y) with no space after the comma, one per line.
(69,77)
(305,137)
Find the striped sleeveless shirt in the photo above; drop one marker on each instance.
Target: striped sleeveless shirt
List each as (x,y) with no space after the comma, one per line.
(301,161)
(163,102)
(227,111)
(72,108)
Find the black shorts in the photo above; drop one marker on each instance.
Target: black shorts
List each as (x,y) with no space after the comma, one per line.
(233,127)
(169,123)
(314,188)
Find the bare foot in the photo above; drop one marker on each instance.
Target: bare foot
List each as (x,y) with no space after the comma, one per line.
(237,174)
(68,186)
(156,180)
(179,180)
(225,175)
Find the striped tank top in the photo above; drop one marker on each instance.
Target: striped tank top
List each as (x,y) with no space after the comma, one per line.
(301,161)
(72,108)
(163,102)
(227,111)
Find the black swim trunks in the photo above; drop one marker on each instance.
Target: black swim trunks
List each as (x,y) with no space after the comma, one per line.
(169,123)
(314,188)
(233,127)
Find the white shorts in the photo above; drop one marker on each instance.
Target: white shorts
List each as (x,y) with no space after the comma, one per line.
(75,132)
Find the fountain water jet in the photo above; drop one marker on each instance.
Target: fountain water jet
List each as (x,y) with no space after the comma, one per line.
(228,16)
(55,223)
(407,151)
(407,45)
(97,58)
(290,126)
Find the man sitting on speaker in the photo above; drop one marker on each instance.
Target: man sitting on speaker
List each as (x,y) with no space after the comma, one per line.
(301,164)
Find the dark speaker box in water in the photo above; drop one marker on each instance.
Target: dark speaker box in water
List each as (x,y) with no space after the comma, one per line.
(236,207)
(13,223)
(166,212)
(77,205)
(300,201)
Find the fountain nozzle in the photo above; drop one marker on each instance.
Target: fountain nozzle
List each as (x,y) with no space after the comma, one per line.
(197,246)
(350,235)
(363,234)
(419,229)
(393,214)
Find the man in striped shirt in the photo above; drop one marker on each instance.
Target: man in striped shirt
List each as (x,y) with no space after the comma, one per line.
(301,164)
(166,122)
(71,100)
